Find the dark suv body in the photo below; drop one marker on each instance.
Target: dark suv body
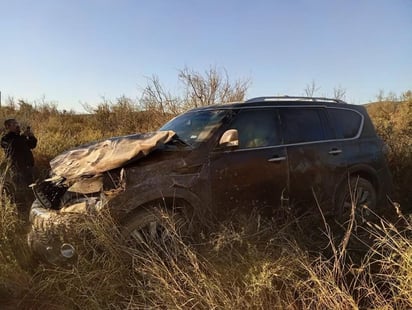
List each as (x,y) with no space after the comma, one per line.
(253,154)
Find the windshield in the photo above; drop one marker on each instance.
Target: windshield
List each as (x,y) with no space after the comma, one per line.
(195,127)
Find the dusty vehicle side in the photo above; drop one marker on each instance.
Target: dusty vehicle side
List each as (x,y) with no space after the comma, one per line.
(253,154)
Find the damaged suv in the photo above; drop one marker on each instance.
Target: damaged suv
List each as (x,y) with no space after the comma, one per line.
(258,153)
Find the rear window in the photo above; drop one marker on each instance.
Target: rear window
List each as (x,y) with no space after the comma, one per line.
(346,123)
(302,125)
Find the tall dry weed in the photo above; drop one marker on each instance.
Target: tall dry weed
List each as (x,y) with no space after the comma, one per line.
(239,263)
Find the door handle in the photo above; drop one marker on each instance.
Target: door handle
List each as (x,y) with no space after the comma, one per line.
(335,151)
(276,159)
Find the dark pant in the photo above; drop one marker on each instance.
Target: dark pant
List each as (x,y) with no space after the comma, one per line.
(23,195)
(22,177)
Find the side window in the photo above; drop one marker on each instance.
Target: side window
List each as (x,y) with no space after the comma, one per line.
(257,128)
(346,123)
(302,125)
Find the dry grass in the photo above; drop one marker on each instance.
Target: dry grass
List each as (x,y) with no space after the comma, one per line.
(239,262)
(247,262)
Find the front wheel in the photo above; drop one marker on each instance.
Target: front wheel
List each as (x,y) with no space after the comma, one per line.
(357,193)
(151,228)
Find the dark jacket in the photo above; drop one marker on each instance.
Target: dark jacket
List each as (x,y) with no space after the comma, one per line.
(18,149)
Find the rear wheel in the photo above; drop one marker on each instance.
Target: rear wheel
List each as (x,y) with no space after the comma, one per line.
(360,194)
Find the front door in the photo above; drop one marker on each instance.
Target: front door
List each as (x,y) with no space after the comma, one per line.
(255,173)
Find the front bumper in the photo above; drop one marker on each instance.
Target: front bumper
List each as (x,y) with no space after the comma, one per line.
(52,237)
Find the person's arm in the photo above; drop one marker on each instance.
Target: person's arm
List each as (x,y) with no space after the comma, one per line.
(4,143)
(30,138)
(7,145)
(31,141)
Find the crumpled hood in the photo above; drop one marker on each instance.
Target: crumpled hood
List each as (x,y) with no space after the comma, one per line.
(95,158)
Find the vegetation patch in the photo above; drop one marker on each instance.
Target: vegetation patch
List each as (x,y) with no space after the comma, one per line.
(250,261)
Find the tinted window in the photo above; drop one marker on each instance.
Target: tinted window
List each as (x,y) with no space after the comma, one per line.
(345,122)
(257,128)
(301,125)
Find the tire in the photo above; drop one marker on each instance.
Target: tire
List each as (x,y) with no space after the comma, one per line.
(152,228)
(361,193)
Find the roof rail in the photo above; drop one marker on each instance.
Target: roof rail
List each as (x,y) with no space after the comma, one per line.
(294,98)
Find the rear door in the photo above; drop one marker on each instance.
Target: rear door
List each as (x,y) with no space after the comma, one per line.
(315,157)
(254,173)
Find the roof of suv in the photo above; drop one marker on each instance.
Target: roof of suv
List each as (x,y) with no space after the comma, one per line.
(282,101)
(278,99)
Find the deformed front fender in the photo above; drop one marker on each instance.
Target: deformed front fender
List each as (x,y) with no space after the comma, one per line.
(173,188)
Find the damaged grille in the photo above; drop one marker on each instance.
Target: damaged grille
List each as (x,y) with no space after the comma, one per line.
(49,193)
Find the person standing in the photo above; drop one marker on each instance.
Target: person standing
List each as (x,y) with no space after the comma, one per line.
(17,148)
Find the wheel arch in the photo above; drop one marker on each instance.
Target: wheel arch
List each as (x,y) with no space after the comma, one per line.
(363,171)
(367,173)
(187,202)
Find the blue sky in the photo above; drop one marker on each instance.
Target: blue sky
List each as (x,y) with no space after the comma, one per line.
(79,51)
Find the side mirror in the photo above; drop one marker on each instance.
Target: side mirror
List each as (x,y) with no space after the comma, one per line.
(229,138)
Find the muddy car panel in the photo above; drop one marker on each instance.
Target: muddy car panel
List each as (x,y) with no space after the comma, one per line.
(163,175)
(249,177)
